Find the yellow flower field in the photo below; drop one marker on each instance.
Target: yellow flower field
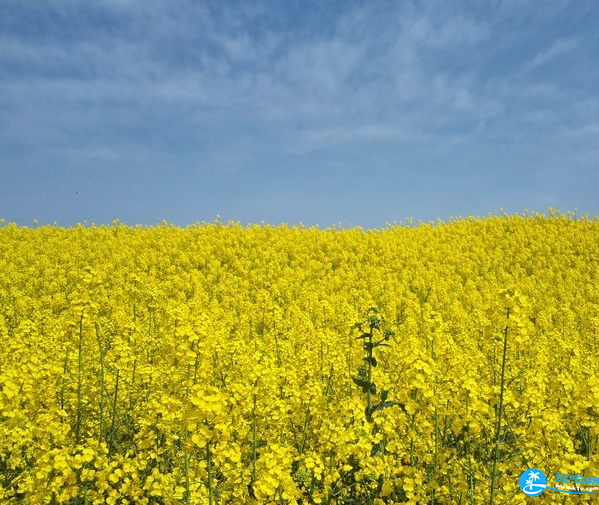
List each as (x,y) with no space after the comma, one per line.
(221,364)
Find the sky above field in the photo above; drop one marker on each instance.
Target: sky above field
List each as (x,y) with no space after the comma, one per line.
(359,113)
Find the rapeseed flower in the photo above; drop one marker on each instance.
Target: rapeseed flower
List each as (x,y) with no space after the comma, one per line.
(214,364)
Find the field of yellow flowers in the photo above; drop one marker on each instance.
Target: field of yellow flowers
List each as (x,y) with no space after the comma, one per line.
(222,364)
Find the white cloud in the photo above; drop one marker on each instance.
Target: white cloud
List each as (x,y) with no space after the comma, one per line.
(225,87)
(559,48)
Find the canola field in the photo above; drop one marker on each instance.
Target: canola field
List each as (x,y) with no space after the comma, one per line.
(222,364)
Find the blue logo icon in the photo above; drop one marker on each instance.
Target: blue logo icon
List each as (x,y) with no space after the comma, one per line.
(533,482)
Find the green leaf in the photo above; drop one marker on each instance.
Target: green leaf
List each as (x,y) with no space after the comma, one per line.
(370,360)
(379,344)
(377,449)
(364,335)
(365,385)
(359,382)
(384,405)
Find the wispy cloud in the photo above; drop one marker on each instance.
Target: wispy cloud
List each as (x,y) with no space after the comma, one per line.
(559,48)
(217,88)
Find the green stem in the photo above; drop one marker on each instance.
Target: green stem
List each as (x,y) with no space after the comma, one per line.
(412,425)
(370,350)
(187,485)
(113,417)
(304,434)
(63,382)
(185,437)
(279,361)
(471,482)
(328,388)
(79,381)
(131,401)
(209,468)
(499,413)
(254,441)
(102,428)
(436,455)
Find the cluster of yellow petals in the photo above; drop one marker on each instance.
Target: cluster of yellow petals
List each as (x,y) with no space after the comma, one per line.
(213,364)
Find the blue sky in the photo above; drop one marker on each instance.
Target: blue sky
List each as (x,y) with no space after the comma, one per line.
(359,113)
